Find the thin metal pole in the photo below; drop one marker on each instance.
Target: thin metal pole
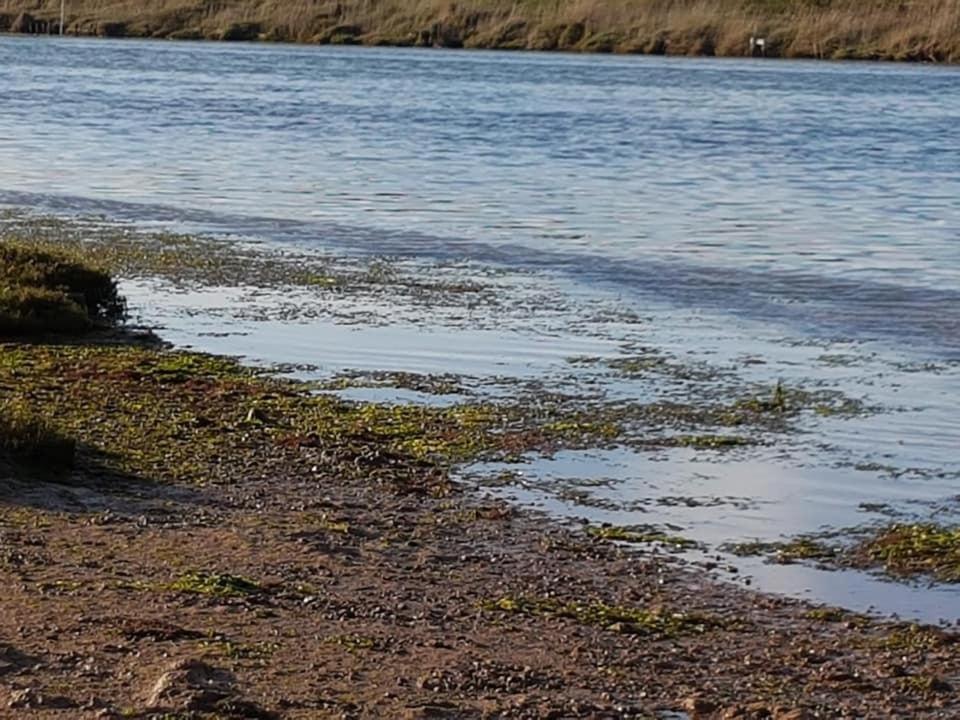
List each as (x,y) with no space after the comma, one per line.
(62,3)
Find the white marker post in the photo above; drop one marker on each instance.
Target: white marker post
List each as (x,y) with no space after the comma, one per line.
(62,4)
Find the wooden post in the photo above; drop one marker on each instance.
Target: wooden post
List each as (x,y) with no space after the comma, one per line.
(62,4)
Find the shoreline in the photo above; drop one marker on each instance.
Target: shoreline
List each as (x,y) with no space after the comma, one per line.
(346,580)
(229,544)
(680,57)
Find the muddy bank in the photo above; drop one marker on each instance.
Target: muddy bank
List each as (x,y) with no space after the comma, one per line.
(216,559)
(920,31)
(216,542)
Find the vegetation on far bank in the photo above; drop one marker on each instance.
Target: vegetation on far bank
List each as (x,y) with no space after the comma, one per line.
(923,30)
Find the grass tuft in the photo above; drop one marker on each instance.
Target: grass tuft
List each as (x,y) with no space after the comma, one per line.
(25,436)
(45,291)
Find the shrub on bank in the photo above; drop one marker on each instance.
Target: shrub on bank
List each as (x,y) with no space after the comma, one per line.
(44,291)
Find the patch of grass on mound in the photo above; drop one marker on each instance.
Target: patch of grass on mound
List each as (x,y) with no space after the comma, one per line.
(46,291)
(32,311)
(27,437)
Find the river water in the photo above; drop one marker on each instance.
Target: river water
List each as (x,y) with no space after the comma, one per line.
(804,216)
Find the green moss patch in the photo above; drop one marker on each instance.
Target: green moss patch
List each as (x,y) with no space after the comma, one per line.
(913,550)
(617,618)
(640,535)
(215,584)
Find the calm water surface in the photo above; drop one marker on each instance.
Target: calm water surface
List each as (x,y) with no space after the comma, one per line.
(787,211)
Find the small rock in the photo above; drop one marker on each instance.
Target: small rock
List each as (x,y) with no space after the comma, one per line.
(699,707)
(24,698)
(189,685)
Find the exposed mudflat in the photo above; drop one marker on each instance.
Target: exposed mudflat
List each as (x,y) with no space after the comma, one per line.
(229,542)
(300,580)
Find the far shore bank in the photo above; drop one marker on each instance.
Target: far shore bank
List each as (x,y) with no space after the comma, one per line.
(920,31)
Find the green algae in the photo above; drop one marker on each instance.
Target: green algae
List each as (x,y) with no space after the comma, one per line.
(356,644)
(215,584)
(260,652)
(826,614)
(708,442)
(906,550)
(915,638)
(639,535)
(786,552)
(437,384)
(617,618)
(201,261)
(924,685)
(650,362)
(339,527)
(186,416)
(901,551)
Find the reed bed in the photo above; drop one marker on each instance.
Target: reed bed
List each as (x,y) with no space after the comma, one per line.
(921,30)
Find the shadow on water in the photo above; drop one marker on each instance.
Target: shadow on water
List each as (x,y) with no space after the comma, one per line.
(922,318)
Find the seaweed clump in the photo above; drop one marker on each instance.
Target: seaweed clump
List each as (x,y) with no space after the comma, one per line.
(913,550)
(787,552)
(639,535)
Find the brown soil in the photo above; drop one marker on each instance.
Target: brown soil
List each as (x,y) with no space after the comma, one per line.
(378,603)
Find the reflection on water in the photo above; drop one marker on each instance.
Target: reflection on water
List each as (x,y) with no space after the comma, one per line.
(789,220)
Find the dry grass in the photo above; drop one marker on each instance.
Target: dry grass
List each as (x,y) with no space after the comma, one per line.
(879,29)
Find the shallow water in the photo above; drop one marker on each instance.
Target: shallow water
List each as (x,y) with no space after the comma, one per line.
(791,220)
